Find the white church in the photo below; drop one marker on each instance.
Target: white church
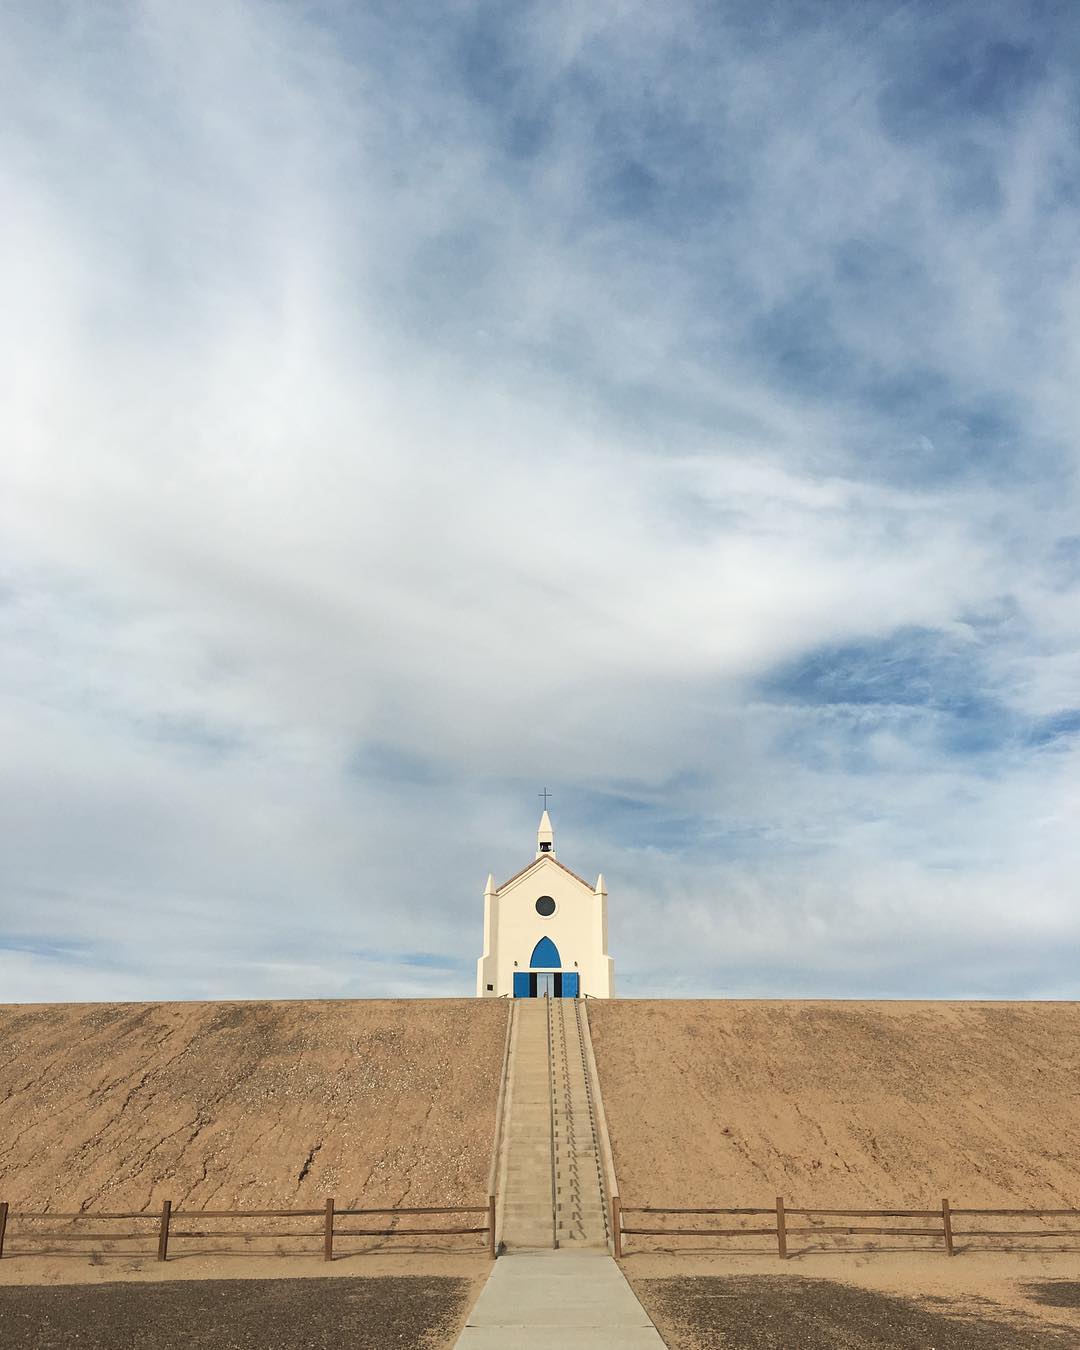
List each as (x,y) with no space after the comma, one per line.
(545,932)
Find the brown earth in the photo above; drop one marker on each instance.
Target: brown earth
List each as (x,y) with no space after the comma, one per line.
(861,1105)
(860,1300)
(785,1312)
(264,1105)
(410,1312)
(864,1105)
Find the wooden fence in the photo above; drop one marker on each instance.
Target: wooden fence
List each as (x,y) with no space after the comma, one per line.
(166,1220)
(780,1229)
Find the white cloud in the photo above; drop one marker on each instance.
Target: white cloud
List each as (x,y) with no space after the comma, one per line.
(332,424)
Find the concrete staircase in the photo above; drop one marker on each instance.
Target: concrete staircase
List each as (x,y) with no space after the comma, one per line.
(581,1208)
(551,1183)
(525,1190)
(552,1194)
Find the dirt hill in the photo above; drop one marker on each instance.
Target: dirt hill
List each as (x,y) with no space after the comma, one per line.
(253,1104)
(847,1104)
(723,1102)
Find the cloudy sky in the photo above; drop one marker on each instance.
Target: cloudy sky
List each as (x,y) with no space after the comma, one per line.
(406,408)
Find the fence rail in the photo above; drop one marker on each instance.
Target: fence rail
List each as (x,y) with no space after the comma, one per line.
(780,1229)
(167,1217)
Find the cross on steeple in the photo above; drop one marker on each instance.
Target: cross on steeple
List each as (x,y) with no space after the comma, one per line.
(545,794)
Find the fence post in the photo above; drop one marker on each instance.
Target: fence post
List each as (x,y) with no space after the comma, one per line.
(3,1223)
(163,1231)
(616,1225)
(781,1228)
(328,1231)
(946,1219)
(491,1227)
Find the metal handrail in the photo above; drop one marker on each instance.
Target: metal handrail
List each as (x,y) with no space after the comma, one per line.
(551,1102)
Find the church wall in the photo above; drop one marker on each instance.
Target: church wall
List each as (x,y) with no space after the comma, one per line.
(576,928)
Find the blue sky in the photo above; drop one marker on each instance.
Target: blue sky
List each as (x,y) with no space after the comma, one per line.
(675,406)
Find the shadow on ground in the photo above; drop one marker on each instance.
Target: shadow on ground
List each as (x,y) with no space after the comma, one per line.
(405,1312)
(1054,1293)
(784,1313)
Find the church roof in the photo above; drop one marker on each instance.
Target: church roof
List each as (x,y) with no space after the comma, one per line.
(545,858)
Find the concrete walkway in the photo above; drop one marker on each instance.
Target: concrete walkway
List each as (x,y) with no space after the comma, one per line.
(577,1300)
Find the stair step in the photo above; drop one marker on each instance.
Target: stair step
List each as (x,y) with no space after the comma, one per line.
(550,1124)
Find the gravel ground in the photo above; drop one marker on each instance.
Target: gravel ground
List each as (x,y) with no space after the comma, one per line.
(784,1313)
(1054,1293)
(372,1314)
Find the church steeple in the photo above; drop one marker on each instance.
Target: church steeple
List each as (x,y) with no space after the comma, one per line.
(545,837)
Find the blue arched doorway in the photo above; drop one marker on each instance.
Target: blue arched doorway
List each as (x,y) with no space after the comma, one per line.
(545,975)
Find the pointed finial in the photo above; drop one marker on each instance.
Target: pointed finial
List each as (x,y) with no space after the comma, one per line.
(545,836)
(601,889)
(489,889)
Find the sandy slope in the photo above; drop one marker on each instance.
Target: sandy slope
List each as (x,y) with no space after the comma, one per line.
(829,1103)
(254,1104)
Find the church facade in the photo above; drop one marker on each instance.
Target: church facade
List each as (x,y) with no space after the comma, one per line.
(545,932)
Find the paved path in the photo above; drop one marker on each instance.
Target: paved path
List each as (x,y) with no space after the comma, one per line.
(576,1300)
(556,1285)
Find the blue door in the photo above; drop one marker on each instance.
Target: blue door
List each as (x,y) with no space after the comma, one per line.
(553,984)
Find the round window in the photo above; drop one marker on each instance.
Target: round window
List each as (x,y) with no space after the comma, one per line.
(545,906)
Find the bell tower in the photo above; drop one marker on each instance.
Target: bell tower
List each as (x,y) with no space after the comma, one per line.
(545,837)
